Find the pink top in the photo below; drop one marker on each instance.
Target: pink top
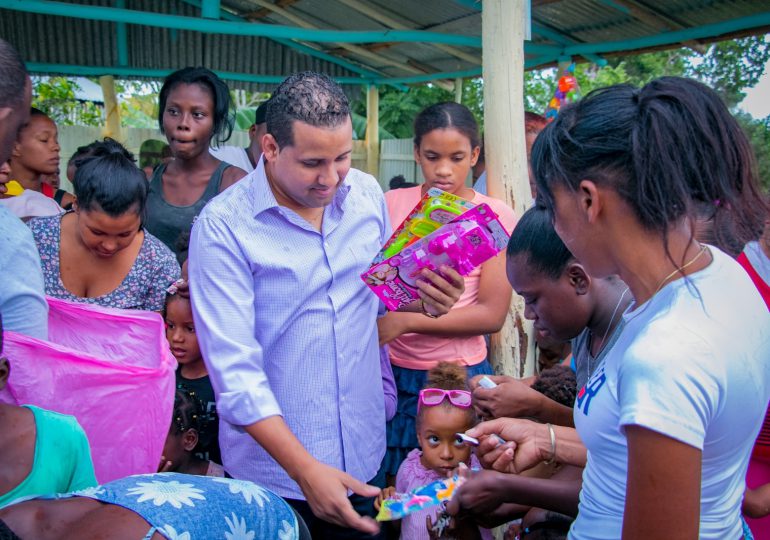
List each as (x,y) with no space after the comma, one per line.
(420,351)
(412,474)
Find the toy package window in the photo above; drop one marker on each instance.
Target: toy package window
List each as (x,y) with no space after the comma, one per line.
(462,244)
(428,496)
(436,208)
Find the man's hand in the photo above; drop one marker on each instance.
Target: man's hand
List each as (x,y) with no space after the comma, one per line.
(326,491)
(439,294)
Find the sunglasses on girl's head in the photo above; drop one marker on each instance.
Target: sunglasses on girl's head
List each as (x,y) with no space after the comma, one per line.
(430,397)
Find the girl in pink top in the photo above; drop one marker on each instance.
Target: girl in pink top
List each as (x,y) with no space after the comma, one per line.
(446,146)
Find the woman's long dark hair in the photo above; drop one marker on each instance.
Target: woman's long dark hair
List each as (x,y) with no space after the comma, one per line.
(667,148)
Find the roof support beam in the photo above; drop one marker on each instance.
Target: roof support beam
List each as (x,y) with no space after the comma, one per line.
(759,20)
(262,12)
(652,17)
(210,9)
(558,37)
(383,18)
(98,71)
(179,22)
(355,49)
(645,14)
(310,51)
(121,36)
(540,30)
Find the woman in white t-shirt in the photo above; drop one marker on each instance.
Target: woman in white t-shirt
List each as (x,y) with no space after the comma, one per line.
(669,420)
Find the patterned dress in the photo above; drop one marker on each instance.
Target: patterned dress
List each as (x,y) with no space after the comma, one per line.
(188,507)
(154,269)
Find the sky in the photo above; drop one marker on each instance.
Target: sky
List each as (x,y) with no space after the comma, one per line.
(757,101)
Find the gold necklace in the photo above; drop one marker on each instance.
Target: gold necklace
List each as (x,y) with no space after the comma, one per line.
(681,269)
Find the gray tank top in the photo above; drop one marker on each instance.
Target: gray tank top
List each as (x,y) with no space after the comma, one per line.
(169,222)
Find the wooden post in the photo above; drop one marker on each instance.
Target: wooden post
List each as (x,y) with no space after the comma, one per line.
(458,90)
(111,108)
(503,30)
(372,131)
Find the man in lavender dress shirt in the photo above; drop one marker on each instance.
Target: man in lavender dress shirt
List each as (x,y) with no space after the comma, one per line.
(285,323)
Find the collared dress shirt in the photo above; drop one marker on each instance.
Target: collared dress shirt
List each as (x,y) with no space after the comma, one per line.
(287,326)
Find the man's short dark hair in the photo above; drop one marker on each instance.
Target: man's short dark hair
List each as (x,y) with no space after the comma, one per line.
(14,77)
(308,97)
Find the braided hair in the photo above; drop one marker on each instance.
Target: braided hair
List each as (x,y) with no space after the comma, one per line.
(189,414)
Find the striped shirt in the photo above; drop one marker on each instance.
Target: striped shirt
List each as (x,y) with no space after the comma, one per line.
(287,326)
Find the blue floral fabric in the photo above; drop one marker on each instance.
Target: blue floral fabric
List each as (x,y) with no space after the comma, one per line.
(144,287)
(187,507)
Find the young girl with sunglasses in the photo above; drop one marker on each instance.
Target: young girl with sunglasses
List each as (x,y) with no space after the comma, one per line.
(443,410)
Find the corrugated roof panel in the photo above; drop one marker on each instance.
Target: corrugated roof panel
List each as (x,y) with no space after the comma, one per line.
(62,40)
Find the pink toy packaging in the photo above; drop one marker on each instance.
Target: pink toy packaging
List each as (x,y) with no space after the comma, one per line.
(111,369)
(436,208)
(462,244)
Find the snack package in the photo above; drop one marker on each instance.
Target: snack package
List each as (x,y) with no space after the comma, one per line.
(433,494)
(435,209)
(463,244)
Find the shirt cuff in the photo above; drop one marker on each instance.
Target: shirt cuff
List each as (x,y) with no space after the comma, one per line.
(243,408)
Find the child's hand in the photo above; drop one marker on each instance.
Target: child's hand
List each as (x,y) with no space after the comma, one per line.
(165,466)
(439,294)
(386,493)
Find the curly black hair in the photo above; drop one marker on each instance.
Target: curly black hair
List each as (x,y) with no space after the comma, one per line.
(308,97)
(557,383)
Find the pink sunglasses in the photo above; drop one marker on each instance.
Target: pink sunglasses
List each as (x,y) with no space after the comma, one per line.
(430,397)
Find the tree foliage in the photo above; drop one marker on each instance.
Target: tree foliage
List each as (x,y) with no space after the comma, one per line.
(729,67)
(56,97)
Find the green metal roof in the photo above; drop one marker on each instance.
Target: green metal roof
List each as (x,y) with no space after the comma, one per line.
(255,43)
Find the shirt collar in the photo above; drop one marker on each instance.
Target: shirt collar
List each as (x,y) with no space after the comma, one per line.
(261,195)
(263,198)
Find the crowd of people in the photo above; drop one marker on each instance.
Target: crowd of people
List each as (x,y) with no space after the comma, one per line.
(301,404)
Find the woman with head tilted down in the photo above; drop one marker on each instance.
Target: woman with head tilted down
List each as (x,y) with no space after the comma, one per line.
(99,253)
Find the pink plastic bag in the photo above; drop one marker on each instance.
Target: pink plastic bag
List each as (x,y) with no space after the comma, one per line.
(109,368)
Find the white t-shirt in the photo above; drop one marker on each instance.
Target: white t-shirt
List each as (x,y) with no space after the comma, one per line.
(234,155)
(690,364)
